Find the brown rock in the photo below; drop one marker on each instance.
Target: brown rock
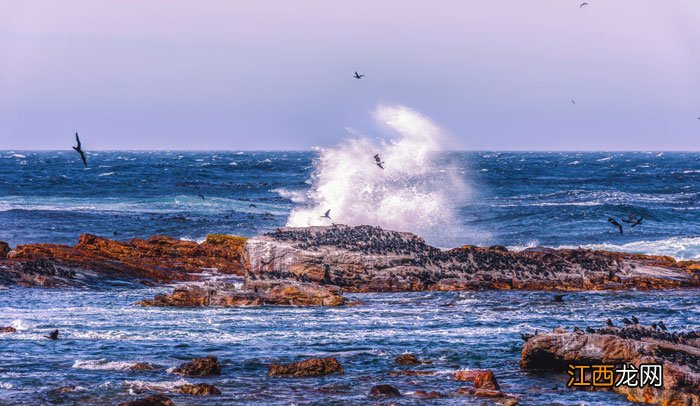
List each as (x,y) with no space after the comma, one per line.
(8,329)
(4,249)
(407,359)
(309,367)
(200,367)
(386,391)
(428,395)
(200,389)
(556,350)
(152,400)
(480,392)
(482,379)
(144,366)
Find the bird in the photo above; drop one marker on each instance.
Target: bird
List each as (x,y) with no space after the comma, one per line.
(378,160)
(526,336)
(573,101)
(635,320)
(576,329)
(252,205)
(653,325)
(53,335)
(590,330)
(610,323)
(662,326)
(636,223)
(626,321)
(558,299)
(202,196)
(583,4)
(358,76)
(630,219)
(327,215)
(615,223)
(79,150)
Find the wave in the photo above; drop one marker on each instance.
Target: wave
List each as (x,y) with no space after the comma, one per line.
(683,248)
(103,364)
(410,193)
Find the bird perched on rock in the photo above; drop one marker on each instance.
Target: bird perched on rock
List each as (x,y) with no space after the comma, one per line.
(662,326)
(53,335)
(526,336)
(610,323)
(626,321)
(590,330)
(635,320)
(79,149)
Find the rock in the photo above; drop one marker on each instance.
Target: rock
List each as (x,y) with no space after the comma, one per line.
(4,249)
(635,344)
(8,329)
(408,359)
(200,367)
(428,395)
(156,259)
(386,391)
(151,400)
(309,367)
(370,259)
(65,389)
(508,402)
(479,392)
(411,373)
(482,379)
(258,293)
(143,366)
(200,389)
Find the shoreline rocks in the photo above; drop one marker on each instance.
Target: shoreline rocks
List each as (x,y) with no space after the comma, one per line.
(678,353)
(384,391)
(306,368)
(206,366)
(8,329)
(200,389)
(151,400)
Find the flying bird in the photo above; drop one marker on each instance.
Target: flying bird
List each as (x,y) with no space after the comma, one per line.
(202,196)
(583,4)
(378,160)
(573,102)
(358,76)
(327,215)
(53,335)
(79,149)
(252,205)
(615,223)
(636,223)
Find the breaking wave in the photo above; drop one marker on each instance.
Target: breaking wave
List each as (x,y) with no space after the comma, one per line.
(416,191)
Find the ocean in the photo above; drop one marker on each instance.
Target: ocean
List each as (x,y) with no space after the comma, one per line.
(516,199)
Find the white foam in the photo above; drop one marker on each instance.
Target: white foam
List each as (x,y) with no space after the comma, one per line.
(685,248)
(139,386)
(103,365)
(410,194)
(106,174)
(296,196)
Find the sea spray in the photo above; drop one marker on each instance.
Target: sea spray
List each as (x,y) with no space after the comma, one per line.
(416,191)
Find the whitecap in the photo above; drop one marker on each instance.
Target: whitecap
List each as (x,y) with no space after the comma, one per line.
(106,174)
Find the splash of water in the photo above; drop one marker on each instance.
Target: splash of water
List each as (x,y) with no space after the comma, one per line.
(417,191)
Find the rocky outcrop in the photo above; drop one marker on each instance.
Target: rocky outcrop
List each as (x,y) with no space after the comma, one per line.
(384,391)
(156,259)
(309,367)
(678,353)
(200,367)
(481,379)
(370,259)
(409,359)
(200,389)
(8,330)
(4,249)
(259,293)
(144,366)
(152,400)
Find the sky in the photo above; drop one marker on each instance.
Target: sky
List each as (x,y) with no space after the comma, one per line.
(231,75)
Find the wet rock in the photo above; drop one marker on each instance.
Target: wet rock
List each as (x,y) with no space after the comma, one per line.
(144,366)
(200,367)
(309,367)
(408,359)
(411,373)
(481,378)
(280,293)
(200,389)
(386,391)
(65,389)
(4,249)
(370,259)
(8,329)
(151,400)
(428,395)
(480,392)
(635,344)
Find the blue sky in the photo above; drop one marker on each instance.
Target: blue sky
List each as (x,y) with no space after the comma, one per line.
(278,74)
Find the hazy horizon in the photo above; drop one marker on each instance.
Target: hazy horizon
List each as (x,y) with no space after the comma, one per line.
(274,75)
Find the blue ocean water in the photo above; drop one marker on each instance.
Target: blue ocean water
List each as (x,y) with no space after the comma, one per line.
(516,199)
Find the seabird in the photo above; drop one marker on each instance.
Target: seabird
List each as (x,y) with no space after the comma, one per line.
(583,4)
(202,196)
(327,215)
(79,150)
(526,336)
(252,205)
(610,323)
(662,326)
(635,320)
(590,330)
(626,321)
(558,299)
(53,335)
(636,223)
(615,223)
(358,76)
(573,101)
(378,160)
